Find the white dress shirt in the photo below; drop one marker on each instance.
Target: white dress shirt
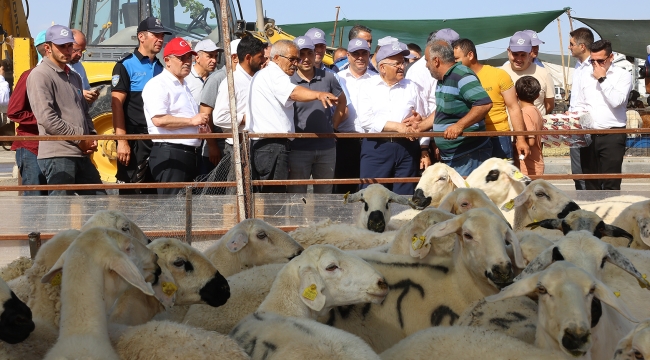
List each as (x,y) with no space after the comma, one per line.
(576,96)
(606,101)
(353,84)
(166,95)
(4,94)
(419,74)
(270,107)
(195,84)
(221,114)
(380,103)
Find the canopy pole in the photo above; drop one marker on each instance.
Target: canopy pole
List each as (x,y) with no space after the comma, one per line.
(559,30)
(568,60)
(336,20)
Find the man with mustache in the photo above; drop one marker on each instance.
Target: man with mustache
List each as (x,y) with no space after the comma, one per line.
(130,75)
(170,108)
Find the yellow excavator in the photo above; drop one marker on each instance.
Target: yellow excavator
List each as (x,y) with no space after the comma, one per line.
(110,28)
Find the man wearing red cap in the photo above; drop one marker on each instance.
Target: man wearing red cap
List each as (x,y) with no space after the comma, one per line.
(170,108)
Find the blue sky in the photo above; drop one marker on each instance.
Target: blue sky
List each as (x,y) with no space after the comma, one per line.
(43,13)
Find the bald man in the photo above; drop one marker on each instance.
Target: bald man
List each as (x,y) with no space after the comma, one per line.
(78,48)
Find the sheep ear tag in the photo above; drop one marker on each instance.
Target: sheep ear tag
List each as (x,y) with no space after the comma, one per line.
(519,176)
(508,206)
(311,286)
(55,274)
(420,247)
(237,242)
(165,290)
(310,292)
(130,273)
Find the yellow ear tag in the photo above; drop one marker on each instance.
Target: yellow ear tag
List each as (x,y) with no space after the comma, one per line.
(310,292)
(509,205)
(416,243)
(56,280)
(618,294)
(644,276)
(518,175)
(467,184)
(169,288)
(345,197)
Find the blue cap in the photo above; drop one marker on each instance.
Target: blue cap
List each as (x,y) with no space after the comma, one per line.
(358,44)
(391,50)
(534,39)
(447,35)
(304,42)
(59,35)
(519,42)
(40,38)
(316,35)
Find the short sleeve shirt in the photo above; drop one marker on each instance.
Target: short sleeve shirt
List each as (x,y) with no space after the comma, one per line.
(269,102)
(221,114)
(542,75)
(456,94)
(130,75)
(495,81)
(195,84)
(211,87)
(311,116)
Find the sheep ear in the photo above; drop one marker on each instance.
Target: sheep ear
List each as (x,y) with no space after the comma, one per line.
(615,257)
(604,294)
(401,199)
(553,224)
(522,287)
(516,248)
(541,262)
(130,273)
(350,198)
(56,269)
(445,228)
(455,178)
(237,241)
(644,230)
(165,289)
(311,288)
(420,246)
(522,198)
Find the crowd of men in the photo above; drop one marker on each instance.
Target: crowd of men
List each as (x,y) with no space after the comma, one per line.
(287,88)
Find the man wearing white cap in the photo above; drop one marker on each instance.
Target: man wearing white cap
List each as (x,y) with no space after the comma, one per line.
(536,42)
(213,148)
(170,108)
(385,103)
(520,63)
(348,151)
(205,62)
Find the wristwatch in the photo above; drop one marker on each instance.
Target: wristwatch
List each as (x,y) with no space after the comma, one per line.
(600,80)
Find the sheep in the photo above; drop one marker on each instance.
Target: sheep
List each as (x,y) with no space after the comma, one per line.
(636,344)
(635,219)
(436,182)
(408,237)
(500,180)
(196,281)
(376,201)
(99,266)
(465,343)
(15,319)
(609,208)
(15,268)
(539,200)
(343,236)
(584,220)
(532,244)
(463,199)
(478,266)
(565,295)
(321,278)
(250,243)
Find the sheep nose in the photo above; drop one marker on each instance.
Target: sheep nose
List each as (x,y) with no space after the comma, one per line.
(420,200)
(376,221)
(296,254)
(575,340)
(502,273)
(382,284)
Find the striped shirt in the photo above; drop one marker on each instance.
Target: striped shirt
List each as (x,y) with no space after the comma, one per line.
(456,94)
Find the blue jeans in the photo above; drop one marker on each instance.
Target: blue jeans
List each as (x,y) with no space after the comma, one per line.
(30,172)
(465,164)
(71,170)
(502,147)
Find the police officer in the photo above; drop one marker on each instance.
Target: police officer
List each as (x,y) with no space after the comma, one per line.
(130,74)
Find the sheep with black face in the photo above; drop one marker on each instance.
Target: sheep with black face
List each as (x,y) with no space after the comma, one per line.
(376,210)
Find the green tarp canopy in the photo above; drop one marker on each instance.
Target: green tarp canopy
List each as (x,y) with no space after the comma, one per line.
(479,30)
(629,37)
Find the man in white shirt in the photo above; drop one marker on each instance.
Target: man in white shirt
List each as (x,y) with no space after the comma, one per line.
(579,45)
(270,103)
(605,93)
(348,151)
(250,53)
(78,48)
(386,103)
(169,108)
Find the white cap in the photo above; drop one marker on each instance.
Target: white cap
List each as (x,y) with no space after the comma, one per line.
(387,41)
(233,46)
(648,49)
(206,45)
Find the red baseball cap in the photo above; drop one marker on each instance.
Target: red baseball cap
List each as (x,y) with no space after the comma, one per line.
(178,47)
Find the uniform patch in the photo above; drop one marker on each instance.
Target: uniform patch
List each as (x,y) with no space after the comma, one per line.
(114,80)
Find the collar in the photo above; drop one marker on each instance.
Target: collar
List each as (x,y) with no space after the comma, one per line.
(275,67)
(195,74)
(450,70)
(142,57)
(583,63)
(318,75)
(401,83)
(55,67)
(166,73)
(367,74)
(240,70)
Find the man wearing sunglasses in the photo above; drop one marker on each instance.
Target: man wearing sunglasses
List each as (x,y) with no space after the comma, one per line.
(604,91)
(78,48)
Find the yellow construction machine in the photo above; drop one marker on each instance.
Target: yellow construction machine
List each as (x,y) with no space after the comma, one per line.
(110,28)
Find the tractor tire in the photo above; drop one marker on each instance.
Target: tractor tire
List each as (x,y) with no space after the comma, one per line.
(105,158)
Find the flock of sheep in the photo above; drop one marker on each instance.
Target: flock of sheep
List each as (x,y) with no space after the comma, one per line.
(492,266)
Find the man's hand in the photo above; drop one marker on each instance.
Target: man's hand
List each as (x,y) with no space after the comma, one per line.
(522,147)
(123,152)
(599,70)
(453,132)
(200,119)
(214,154)
(88,146)
(413,120)
(327,99)
(91,96)
(425,160)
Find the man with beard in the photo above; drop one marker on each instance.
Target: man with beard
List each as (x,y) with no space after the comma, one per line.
(314,158)
(170,109)
(130,75)
(78,48)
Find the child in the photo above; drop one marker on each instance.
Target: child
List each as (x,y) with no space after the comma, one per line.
(528,89)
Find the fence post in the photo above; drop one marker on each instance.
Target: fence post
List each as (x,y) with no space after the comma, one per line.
(248,185)
(188,215)
(34,243)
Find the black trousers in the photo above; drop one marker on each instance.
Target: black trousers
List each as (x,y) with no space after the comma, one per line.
(138,168)
(348,164)
(172,163)
(270,161)
(604,155)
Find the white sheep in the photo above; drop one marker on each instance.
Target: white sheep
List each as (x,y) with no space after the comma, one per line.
(15,268)
(609,208)
(343,236)
(436,182)
(15,318)
(376,200)
(96,268)
(463,199)
(565,295)
(465,343)
(636,344)
(635,219)
(321,278)
(540,200)
(499,179)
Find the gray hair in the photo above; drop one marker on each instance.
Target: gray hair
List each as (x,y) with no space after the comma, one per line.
(442,50)
(281,47)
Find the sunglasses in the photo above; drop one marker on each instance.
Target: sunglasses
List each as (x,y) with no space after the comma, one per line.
(599,61)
